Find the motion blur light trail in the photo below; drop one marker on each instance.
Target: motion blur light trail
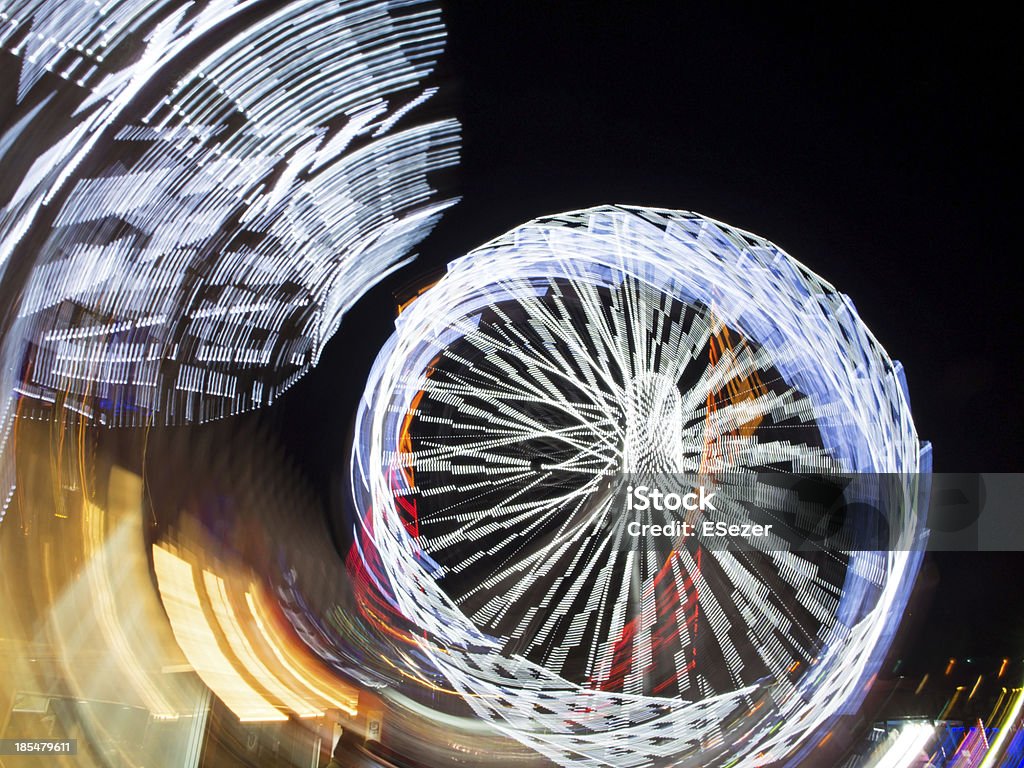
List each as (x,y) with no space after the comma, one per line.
(611,340)
(196,193)
(138,595)
(221,180)
(85,638)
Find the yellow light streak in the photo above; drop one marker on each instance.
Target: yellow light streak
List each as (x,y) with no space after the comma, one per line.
(920,686)
(344,701)
(245,653)
(198,642)
(1005,727)
(975,688)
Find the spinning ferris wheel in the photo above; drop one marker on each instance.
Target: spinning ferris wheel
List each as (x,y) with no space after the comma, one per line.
(580,353)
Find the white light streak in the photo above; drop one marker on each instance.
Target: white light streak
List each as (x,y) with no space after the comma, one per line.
(267,189)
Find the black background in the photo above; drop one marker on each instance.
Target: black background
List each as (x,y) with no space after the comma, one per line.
(879,147)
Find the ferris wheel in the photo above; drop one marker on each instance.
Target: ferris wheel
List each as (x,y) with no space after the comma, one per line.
(586,353)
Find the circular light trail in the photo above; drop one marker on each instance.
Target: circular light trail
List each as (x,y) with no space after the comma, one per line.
(512,401)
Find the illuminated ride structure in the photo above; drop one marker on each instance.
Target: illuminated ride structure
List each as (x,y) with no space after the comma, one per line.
(194,199)
(576,353)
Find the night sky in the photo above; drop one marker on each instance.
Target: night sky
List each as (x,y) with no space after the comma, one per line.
(879,148)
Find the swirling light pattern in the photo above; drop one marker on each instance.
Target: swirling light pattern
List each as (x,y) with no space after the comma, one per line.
(221,181)
(624,340)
